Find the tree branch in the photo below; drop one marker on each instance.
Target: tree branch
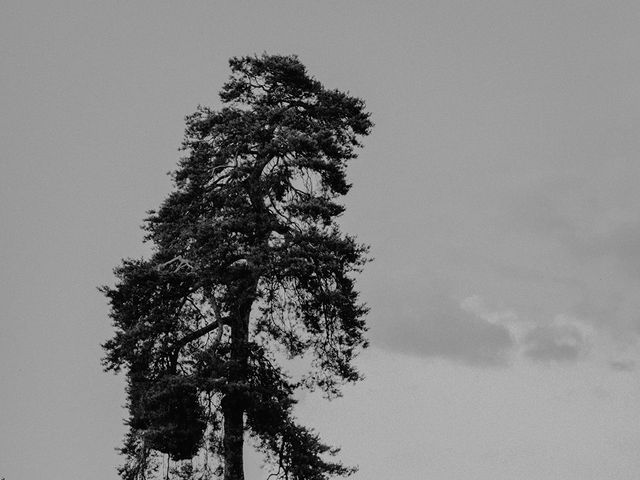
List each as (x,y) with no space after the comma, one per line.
(218,323)
(182,263)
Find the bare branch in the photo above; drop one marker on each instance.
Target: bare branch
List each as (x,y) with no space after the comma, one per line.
(182,263)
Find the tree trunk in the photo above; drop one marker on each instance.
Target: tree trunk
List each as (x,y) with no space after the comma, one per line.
(234,402)
(233,440)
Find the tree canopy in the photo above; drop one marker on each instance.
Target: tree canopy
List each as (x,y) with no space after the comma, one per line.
(249,267)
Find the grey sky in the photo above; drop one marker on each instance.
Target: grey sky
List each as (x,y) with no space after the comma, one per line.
(499,191)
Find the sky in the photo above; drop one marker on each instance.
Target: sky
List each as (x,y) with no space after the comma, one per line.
(498,191)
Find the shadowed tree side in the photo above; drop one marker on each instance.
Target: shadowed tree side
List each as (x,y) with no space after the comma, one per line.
(248,264)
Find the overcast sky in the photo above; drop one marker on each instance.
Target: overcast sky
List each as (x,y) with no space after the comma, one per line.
(499,191)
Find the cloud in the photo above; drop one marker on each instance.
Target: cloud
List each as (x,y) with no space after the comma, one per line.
(477,305)
(584,225)
(556,343)
(564,340)
(441,328)
(555,239)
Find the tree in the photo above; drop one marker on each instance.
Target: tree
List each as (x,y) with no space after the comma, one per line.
(248,267)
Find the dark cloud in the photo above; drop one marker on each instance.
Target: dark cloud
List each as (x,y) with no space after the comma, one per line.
(557,343)
(441,329)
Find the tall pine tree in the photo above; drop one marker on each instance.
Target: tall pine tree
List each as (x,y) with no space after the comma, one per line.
(248,267)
